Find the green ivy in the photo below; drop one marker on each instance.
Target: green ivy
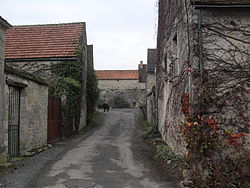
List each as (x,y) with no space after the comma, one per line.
(69,87)
(92,93)
(66,86)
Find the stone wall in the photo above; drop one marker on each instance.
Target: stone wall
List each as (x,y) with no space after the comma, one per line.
(3,97)
(33,113)
(83,118)
(173,55)
(191,42)
(226,59)
(38,68)
(151,100)
(150,88)
(131,90)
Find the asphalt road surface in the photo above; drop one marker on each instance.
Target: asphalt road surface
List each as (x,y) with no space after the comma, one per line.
(111,156)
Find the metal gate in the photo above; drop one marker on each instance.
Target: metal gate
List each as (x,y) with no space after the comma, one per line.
(13,121)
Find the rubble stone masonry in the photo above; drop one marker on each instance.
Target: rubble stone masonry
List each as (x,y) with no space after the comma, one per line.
(131,90)
(3,97)
(191,40)
(33,113)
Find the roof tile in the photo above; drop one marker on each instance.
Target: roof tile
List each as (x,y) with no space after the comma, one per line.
(43,41)
(117,74)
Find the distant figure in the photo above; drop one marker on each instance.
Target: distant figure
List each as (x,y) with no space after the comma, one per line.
(106,107)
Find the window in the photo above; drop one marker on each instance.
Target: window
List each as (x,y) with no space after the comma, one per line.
(174,66)
(165,63)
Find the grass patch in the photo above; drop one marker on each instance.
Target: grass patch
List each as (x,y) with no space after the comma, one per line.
(164,157)
(147,131)
(164,152)
(91,125)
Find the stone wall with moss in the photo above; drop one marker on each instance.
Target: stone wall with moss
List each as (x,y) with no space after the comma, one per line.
(3,104)
(130,90)
(33,112)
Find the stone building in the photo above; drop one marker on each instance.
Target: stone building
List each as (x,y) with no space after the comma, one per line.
(34,48)
(3,97)
(23,116)
(121,83)
(150,88)
(27,112)
(200,39)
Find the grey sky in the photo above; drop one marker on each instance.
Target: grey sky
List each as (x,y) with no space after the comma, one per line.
(120,30)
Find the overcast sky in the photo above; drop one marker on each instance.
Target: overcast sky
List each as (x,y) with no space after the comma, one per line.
(120,30)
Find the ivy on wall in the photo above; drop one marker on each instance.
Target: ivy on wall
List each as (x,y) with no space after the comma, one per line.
(92,93)
(69,87)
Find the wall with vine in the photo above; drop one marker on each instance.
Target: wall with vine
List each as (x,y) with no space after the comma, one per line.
(92,92)
(207,105)
(217,130)
(69,87)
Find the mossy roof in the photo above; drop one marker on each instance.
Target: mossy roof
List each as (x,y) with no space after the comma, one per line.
(25,75)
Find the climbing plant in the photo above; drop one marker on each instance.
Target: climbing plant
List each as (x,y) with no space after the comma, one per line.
(217,126)
(69,86)
(92,93)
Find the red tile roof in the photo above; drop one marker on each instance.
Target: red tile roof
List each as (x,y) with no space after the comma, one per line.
(43,41)
(117,74)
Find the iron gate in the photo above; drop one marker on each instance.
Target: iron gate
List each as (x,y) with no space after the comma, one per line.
(13,121)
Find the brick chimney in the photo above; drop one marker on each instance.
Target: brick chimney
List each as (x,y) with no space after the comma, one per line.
(141,65)
(142,70)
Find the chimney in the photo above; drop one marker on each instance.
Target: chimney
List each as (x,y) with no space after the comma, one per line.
(141,64)
(142,72)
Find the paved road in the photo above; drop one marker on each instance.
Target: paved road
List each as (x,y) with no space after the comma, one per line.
(109,157)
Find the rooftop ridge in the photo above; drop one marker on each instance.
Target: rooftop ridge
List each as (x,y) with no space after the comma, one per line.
(5,22)
(55,24)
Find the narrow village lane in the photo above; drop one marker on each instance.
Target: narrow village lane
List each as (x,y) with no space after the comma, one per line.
(110,157)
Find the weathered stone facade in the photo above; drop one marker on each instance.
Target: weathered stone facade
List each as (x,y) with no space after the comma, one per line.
(38,68)
(150,89)
(83,43)
(131,90)
(33,109)
(171,50)
(196,39)
(3,97)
